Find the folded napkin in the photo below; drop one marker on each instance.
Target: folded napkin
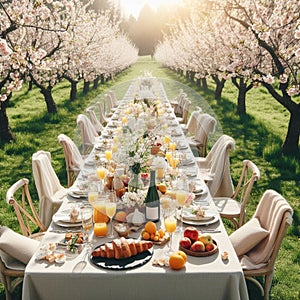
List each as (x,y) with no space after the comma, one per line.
(16,246)
(188,215)
(64,216)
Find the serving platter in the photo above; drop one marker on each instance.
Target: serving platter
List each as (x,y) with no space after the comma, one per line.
(201,254)
(121,264)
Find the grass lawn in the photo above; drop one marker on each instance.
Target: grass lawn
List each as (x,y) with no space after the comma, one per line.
(258,137)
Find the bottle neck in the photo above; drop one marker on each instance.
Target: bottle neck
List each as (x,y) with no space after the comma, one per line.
(152,178)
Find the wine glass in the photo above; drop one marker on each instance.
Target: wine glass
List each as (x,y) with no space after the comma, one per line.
(181,196)
(101,173)
(86,214)
(170,227)
(110,209)
(92,192)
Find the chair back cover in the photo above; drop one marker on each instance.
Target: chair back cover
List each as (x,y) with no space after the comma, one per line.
(96,123)
(221,185)
(49,189)
(273,211)
(87,131)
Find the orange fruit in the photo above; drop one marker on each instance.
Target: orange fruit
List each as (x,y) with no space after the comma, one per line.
(146,235)
(177,260)
(161,233)
(150,227)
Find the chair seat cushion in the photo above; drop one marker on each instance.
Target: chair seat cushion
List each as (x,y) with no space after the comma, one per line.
(16,245)
(248,236)
(227,206)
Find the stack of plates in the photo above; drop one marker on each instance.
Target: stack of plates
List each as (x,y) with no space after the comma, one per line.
(62,219)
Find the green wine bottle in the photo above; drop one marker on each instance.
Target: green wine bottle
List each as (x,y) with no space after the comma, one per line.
(152,200)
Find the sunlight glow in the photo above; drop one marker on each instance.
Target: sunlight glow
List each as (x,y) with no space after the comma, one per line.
(133,7)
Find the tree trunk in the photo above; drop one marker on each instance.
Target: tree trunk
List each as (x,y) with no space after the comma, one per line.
(5,133)
(204,83)
(198,82)
(192,76)
(73,91)
(102,78)
(30,84)
(291,144)
(96,83)
(86,87)
(219,86)
(51,106)
(243,89)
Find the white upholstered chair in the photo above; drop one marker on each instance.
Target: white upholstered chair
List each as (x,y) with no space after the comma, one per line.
(87,132)
(206,125)
(103,119)
(234,208)
(96,123)
(73,158)
(50,191)
(215,167)
(258,245)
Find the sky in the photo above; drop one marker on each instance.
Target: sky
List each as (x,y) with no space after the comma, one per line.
(133,7)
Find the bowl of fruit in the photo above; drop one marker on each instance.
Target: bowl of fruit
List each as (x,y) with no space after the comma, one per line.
(196,244)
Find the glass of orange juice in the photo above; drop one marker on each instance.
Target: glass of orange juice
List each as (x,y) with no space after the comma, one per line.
(181,197)
(108,155)
(101,173)
(170,227)
(110,210)
(100,229)
(92,192)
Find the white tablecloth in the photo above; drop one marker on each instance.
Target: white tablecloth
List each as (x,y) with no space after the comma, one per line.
(202,278)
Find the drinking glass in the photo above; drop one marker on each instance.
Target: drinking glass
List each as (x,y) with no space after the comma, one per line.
(110,209)
(181,196)
(86,213)
(92,192)
(101,173)
(170,227)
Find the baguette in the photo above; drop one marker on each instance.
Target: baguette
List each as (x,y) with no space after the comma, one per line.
(122,248)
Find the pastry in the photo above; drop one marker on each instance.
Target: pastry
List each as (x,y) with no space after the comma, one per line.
(122,248)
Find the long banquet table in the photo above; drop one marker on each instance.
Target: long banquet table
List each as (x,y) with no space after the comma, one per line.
(203,277)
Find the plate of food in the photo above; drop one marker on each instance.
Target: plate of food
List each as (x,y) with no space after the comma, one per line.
(201,249)
(122,254)
(196,215)
(67,218)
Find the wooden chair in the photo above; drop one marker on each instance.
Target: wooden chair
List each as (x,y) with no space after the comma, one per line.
(87,132)
(96,123)
(11,279)
(186,104)
(24,208)
(215,167)
(206,125)
(103,119)
(234,208)
(275,215)
(73,158)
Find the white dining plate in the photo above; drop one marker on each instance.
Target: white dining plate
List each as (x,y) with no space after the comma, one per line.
(76,194)
(209,218)
(63,219)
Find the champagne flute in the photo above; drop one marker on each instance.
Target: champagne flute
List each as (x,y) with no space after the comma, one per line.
(181,196)
(101,173)
(110,209)
(92,192)
(170,226)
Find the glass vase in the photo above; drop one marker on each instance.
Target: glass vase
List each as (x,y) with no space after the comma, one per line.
(135,183)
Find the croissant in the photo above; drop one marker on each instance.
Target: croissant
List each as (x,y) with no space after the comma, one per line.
(122,248)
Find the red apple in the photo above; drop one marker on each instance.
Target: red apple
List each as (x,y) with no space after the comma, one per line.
(185,242)
(191,232)
(198,247)
(205,238)
(209,247)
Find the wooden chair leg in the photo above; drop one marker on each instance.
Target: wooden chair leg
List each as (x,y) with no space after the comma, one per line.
(268,283)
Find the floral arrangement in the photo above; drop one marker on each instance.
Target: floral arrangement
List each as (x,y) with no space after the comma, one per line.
(131,199)
(137,150)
